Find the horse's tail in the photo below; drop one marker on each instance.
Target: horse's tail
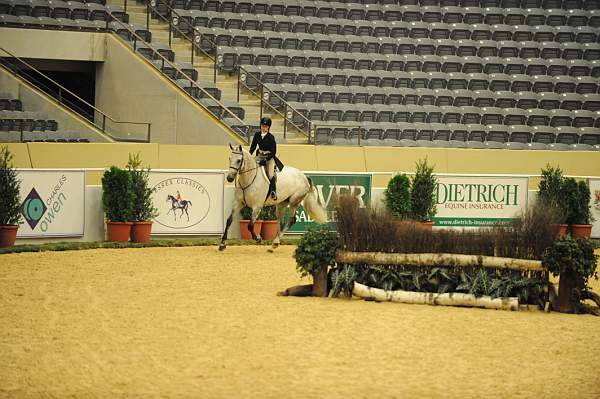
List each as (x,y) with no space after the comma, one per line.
(190,202)
(312,206)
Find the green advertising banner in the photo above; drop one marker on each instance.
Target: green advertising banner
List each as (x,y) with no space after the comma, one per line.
(479,201)
(329,187)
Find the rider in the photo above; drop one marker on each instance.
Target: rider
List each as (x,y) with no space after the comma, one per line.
(265,141)
(178,198)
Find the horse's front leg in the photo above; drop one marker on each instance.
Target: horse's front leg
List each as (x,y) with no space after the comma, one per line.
(234,211)
(255,212)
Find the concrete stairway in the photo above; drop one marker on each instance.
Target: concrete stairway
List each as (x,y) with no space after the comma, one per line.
(205,67)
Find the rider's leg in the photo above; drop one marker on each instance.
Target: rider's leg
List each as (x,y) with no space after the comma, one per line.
(272,178)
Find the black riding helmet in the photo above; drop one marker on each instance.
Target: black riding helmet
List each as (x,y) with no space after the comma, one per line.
(266,121)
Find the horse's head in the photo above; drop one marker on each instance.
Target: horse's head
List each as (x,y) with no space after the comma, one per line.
(170,197)
(236,162)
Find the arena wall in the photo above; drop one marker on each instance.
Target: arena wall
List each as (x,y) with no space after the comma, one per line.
(307,158)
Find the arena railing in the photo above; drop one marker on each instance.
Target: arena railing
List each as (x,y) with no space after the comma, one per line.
(165,61)
(263,92)
(61,95)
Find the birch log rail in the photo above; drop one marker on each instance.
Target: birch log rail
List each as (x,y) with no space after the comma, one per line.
(430,298)
(437,259)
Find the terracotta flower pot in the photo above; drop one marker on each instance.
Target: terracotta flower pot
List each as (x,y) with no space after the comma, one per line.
(269,229)
(141,231)
(8,235)
(562,230)
(427,225)
(244,229)
(118,231)
(581,230)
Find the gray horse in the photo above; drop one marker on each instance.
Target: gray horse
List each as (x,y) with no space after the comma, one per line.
(293,188)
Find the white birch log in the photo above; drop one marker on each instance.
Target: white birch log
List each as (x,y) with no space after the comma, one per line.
(437,259)
(429,298)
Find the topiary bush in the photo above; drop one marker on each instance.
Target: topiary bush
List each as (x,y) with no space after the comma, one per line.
(117,195)
(143,207)
(268,213)
(571,255)
(397,196)
(422,195)
(10,199)
(551,187)
(315,251)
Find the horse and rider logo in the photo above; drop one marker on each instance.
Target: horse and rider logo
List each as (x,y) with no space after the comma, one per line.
(179,203)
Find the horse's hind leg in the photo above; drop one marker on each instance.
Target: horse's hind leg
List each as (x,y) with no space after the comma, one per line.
(280,214)
(255,212)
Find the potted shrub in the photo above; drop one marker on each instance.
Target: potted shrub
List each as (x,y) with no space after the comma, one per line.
(117,201)
(550,194)
(397,196)
(10,199)
(422,194)
(314,254)
(143,208)
(245,216)
(576,197)
(270,227)
(573,259)
(581,214)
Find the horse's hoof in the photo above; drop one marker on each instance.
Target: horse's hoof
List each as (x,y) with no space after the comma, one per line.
(222,247)
(258,240)
(271,250)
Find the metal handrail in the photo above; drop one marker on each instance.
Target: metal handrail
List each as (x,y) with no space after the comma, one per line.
(179,71)
(60,100)
(198,38)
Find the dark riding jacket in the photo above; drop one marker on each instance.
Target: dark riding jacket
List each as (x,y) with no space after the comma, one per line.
(266,144)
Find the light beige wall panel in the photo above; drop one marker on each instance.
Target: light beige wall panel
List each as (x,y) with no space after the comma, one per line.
(193,156)
(53,44)
(84,155)
(20,154)
(34,100)
(392,159)
(339,158)
(303,157)
(523,162)
(130,89)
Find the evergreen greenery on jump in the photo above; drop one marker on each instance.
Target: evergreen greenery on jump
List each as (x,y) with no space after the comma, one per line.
(143,208)
(10,199)
(117,195)
(529,287)
(316,250)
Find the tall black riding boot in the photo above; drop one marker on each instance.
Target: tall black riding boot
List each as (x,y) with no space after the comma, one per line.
(273,188)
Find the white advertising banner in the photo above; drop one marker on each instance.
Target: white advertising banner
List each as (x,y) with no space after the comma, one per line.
(473,201)
(188,202)
(53,203)
(595,205)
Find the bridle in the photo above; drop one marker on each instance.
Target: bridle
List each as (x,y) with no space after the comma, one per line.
(245,171)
